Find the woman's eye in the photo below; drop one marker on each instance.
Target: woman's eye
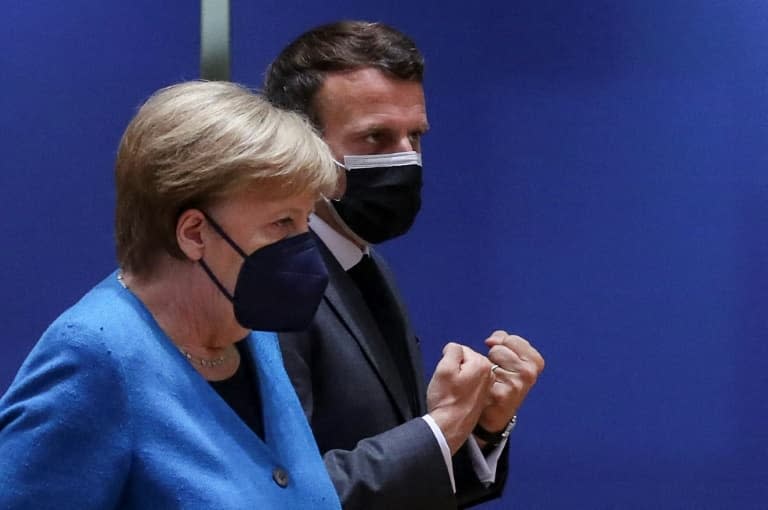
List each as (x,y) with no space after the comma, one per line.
(284,222)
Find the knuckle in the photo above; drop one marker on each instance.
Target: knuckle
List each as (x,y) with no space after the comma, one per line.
(469,353)
(439,375)
(523,342)
(443,369)
(518,343)
(484,363)
(511,389)
(528,374)
(495,351)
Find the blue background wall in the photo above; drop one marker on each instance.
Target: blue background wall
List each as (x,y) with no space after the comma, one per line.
(596,181)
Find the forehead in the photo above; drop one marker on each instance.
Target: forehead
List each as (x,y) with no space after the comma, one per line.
(362,98)
(257,203)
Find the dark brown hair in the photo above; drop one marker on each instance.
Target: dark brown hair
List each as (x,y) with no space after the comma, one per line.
(296,75)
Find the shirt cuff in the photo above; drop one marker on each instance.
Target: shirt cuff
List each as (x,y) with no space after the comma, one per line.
(446,451)
(485,465)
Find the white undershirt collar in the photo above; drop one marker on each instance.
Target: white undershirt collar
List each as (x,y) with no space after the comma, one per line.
(347,253)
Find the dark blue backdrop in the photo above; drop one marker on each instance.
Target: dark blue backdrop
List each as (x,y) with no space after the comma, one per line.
(596,181)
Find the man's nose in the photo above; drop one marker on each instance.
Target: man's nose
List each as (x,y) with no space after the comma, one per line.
(404,144)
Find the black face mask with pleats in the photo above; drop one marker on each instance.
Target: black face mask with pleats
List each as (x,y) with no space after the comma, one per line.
(383,195)
(279,286)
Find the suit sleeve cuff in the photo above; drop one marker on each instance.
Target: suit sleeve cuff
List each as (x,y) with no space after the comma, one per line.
(446,451)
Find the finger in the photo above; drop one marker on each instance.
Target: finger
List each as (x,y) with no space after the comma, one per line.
(497,395)
(504,356)
(469,353)
(524,349)
(496,337)
(503,375)
(469,358)
(475,360)
(534,356)
(503,391)
(476,368)
(454,351)
(512,361)
(451,361)
(516,342)
(522,377)
(505,397)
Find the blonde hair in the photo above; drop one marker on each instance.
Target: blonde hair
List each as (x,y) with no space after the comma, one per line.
(195,143)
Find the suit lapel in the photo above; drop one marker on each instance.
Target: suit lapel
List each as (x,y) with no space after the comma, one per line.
(345,300)
(414,354)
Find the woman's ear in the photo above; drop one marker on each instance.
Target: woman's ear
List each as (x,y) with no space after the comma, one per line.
(189,234)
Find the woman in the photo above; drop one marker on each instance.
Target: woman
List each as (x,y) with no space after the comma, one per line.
(152,391)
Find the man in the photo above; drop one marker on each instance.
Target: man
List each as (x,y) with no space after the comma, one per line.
(358,369)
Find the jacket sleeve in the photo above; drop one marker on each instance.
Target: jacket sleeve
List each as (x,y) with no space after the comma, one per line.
(401,468)
(64,431)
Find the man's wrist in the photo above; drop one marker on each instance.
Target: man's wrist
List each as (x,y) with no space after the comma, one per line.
(494,438)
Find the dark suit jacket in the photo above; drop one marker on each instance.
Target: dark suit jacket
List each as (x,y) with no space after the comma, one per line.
(379,452)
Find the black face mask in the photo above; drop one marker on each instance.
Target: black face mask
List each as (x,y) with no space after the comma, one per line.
(383,195)
(279,286)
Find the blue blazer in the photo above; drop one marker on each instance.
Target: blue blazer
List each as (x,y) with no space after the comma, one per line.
(106,413)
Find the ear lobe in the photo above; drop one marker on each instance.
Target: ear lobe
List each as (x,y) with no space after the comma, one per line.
(189,234)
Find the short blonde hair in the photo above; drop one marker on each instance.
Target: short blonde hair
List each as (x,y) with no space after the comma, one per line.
(194,143)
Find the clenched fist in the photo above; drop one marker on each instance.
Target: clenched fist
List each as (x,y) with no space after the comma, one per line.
(458,392)
(519,365)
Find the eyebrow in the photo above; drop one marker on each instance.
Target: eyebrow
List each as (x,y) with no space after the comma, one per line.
(382,127)
(293,211)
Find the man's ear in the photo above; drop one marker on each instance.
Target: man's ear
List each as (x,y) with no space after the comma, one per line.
(189,234)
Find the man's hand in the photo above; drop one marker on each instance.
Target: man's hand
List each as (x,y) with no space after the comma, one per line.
(519,365)
(458,392)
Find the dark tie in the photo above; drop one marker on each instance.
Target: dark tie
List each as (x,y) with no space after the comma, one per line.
(384,310)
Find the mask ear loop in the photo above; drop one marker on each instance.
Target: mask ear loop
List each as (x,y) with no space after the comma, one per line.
(215,280)
(224,235)
(234,246)
(332,210)
(343,224)
(341,168)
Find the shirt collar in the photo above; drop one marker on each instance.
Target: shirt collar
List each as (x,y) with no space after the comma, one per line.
(347,253)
